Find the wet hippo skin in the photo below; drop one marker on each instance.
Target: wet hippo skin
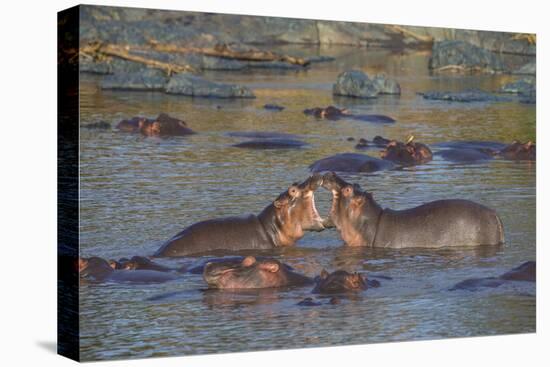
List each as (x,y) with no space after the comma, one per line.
(141,263)
(281,223)
(361,221)
(339,281)
(252,273)
(99,270)
(351,162)
(407,154)
(526,272)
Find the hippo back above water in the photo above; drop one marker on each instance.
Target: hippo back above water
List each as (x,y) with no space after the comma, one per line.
(361,221)
(281,223)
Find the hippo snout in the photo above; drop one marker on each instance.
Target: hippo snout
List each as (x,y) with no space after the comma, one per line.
(331,181)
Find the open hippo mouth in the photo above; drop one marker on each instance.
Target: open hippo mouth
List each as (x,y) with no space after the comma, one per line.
(334,184)
(309,186)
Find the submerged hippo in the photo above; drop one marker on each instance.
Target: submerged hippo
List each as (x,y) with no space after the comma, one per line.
(350,162)
(281,223)
(99,270)
(140,263)
(409,153)
(361,221)
(377,142)
(163,125)
(271,144)
(526,272)
(466,155)
(251,273)
(334,113)
(339,281)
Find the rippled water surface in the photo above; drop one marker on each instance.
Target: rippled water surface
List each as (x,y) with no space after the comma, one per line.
(137,192)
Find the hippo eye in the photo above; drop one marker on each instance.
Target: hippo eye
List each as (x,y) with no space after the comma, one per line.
(293,191)
(347,191)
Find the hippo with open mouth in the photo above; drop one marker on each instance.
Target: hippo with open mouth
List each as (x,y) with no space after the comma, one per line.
(251,273)
(361,221)
(281,223)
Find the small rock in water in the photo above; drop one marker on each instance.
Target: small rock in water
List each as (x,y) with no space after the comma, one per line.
(464,96)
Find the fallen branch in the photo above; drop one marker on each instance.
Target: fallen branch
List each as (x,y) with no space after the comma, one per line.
(224,51)
(408,32)
(122,52)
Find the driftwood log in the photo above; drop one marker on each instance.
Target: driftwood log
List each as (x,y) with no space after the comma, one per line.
(225,51)
(98,50)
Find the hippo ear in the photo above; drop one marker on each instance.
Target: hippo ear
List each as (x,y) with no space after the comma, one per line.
(392,143)
(347,191)
(294,191)
(270,266)
(249,261)
(324,274)
(113,264)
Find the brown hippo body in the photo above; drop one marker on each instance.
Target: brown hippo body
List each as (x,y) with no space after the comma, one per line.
(339,281)
(281,223)
(361,221)
(99,270)
(351,162)
(141,263)
(252,273)
(407,154)
(164,125)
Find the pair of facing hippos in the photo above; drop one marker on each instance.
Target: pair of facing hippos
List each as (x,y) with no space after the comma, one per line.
(360,220)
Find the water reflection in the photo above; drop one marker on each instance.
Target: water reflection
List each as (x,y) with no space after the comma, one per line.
(136,192)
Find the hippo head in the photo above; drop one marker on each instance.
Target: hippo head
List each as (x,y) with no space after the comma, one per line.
(520,151)
(94,268)
(339,281)
(353,212)
(246,274)
(149,127)
(295,211)
(408,153)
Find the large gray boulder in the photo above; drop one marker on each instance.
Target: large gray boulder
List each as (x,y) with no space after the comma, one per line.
(465,56)
(196,86)
(355,83)
(528,69)
(149,79)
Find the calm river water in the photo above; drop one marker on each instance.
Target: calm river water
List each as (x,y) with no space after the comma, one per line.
(137,192)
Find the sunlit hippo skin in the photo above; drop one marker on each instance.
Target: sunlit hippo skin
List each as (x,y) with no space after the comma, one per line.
(351,162)
(334,113)
(199,269)
(519,151)
(271,144)
(407,154)
(251,273)
(339,281)
(361,221)
(526,272)
(99,270)
(280,224)
(163,125)
(141,263)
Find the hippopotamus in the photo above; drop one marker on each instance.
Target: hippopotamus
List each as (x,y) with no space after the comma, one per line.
(526,272)
(361,221)
(199,269)
(339,281)
(408,154)
(329,113)
(334,113)
(466,155)
(377,142)
(99,125)
(519,151)
(251,273)
(99,270)
(281,223)
(141,263)
(351,162)
(271,144)
(273,107)
(262,135)
(163,125)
